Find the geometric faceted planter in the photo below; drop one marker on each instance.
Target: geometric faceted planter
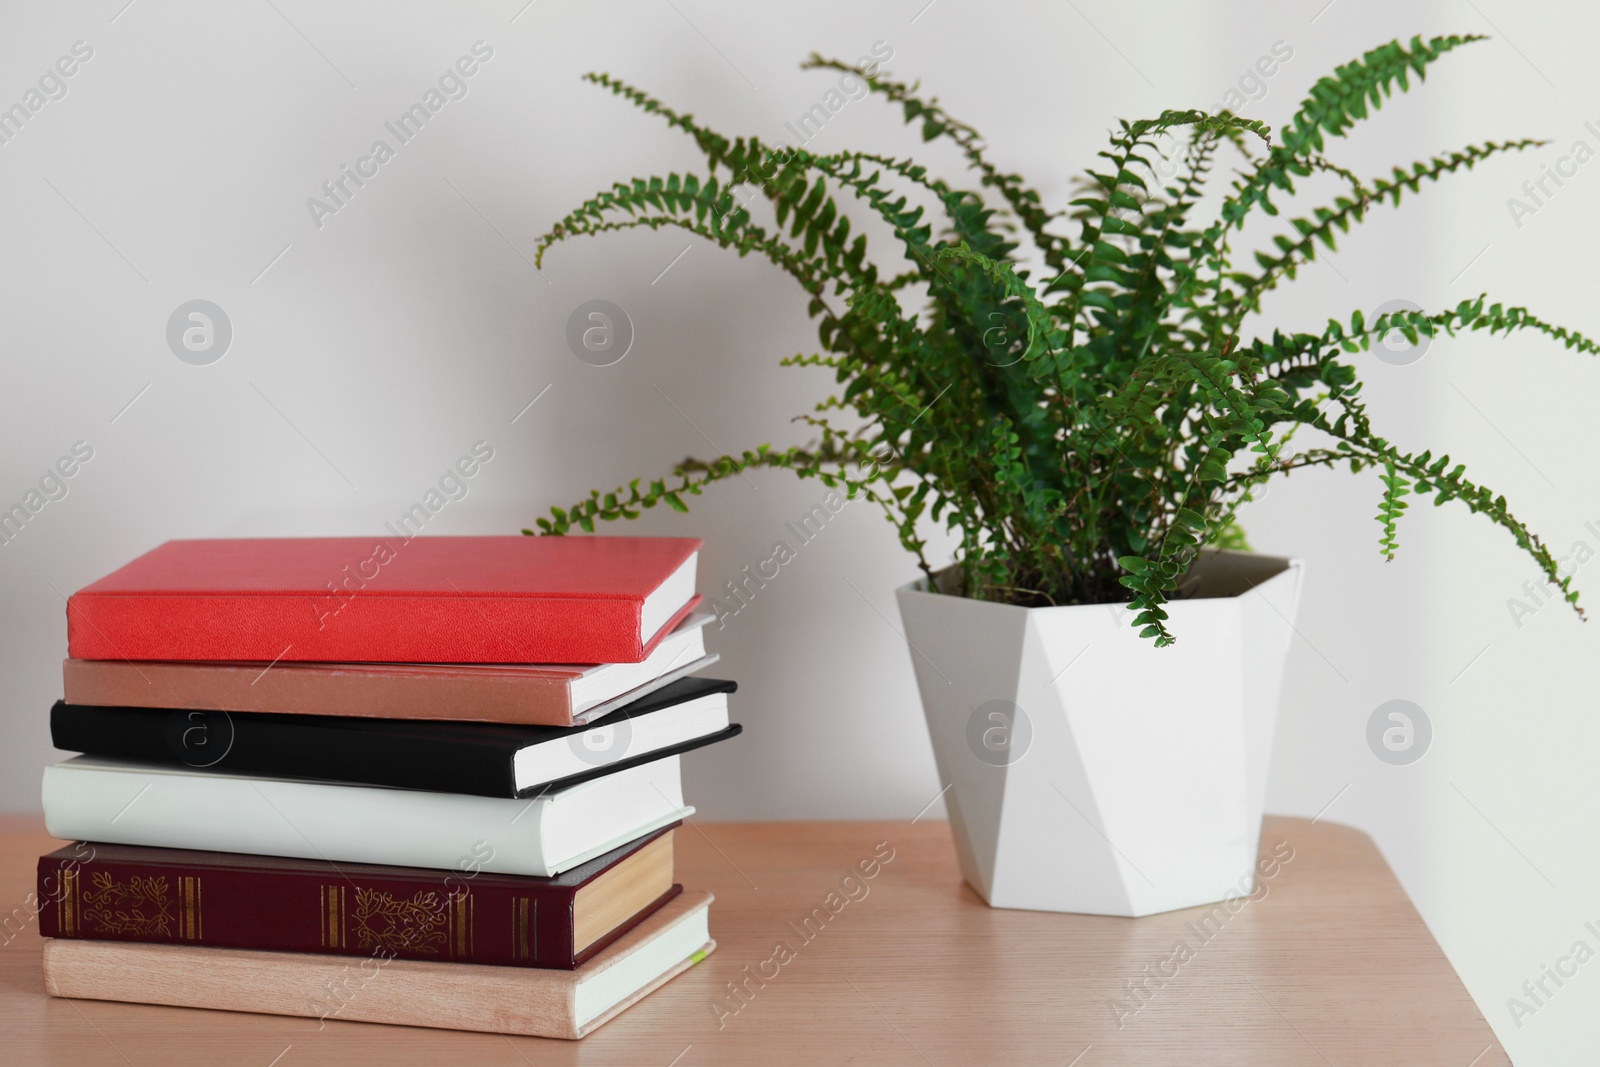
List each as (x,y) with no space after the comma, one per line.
(1090,771)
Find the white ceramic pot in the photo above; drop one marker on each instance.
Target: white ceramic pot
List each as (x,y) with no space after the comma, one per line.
(1090,771)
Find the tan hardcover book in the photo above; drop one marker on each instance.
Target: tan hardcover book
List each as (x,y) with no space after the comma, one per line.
(450,996)
(533,694)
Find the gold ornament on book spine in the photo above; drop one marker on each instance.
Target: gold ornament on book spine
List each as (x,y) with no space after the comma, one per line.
(420,924)
(139,907)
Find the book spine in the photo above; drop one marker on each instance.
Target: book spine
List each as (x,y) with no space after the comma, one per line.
(287,746)
(351,690)
(303,820)
(372,628)
(439,995)
(444,918)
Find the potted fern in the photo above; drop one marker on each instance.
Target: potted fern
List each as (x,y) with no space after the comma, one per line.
(1100,664)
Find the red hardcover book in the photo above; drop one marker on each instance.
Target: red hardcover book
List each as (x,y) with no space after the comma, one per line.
(102,892)
(390,600)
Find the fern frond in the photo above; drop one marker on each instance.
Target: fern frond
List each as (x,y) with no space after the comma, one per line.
(1346,211)
(1024,202)
(1395,487)
(1337,102)
(1356,89)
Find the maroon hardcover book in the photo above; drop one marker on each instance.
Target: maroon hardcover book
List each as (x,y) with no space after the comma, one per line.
(182,897)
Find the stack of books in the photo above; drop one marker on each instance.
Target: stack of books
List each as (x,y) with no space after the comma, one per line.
(357,779)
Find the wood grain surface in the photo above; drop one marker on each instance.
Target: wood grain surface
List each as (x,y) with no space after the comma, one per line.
(1329,964)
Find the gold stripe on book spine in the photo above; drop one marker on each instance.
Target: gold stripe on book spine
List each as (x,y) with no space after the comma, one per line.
(189,926)
(460,911)
(521,921)
(67,903)
(333,916)
(519,928)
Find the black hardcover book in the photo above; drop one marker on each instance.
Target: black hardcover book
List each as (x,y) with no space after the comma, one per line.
(477,758)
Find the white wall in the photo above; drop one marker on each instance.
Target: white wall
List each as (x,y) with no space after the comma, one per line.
(381,345)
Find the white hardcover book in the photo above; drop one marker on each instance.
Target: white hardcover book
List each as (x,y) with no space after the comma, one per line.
(88,799)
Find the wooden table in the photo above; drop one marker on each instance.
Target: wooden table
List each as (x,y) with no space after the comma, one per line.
(1331,966)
